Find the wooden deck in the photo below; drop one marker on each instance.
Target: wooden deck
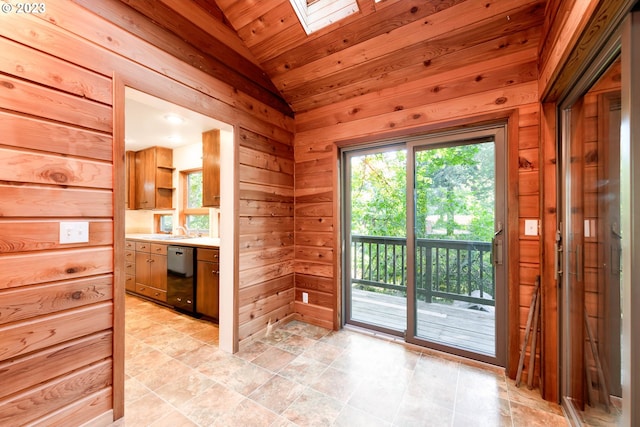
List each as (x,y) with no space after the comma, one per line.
(464,328)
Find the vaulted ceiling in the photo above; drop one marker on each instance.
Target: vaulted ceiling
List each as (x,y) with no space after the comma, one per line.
(385,44)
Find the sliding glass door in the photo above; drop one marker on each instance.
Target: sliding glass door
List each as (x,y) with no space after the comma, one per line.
(442,287)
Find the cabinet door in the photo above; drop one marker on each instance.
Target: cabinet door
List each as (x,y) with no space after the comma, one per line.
(145,179)
(158,271)
(207,289)
(142,268)
(211,168)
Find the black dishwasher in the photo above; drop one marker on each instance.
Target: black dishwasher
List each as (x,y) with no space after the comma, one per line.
(181,278)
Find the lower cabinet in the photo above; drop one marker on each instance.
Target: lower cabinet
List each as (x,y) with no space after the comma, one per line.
(208,282)
(151,270)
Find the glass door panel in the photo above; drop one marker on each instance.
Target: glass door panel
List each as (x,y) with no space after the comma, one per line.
(375,225)
(455,292)
(593,252)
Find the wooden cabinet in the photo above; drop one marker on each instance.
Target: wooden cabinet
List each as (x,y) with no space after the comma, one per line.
(151,270)
(211,168)
(208,282)
(154,178)
(130,179)
(130,265)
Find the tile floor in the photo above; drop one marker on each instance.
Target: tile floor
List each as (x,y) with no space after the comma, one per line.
(303,375)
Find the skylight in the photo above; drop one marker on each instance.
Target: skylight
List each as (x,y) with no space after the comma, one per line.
(317,14)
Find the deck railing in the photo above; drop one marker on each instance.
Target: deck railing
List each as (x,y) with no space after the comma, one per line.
(446,270)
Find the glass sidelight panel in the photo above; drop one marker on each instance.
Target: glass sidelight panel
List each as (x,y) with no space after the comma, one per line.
(455,251)
(593,249)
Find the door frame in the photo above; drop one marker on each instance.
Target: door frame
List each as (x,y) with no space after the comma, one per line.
(502,124)
(497,132)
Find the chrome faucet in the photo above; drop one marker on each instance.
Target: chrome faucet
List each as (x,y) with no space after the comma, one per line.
(185,230)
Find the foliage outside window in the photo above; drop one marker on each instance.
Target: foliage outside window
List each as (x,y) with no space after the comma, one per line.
(193,215)
(164,223)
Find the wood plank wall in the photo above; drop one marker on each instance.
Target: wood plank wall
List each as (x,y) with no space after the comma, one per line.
(56,301)
(59,361)
(265,231)
(499,84)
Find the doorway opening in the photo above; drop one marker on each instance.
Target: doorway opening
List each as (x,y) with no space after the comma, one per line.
(425,248)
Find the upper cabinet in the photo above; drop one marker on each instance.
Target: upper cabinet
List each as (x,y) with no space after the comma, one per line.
(154,178)
(211,168)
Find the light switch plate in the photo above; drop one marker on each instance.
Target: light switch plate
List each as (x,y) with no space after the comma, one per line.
(530,227)
(74,232)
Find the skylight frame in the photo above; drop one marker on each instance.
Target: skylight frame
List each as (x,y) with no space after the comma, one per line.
(322,13)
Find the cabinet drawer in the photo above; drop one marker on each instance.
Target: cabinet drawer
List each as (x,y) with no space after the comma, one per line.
(130,267)
(129,256)
(130,282)
(211,255)
(143,246)
(158,249)
(151,292)
(129,245)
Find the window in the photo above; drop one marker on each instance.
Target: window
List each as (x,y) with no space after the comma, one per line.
(317,14)
(193,215)
(163,223)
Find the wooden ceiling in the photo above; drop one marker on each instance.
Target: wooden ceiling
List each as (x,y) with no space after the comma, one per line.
(385,45)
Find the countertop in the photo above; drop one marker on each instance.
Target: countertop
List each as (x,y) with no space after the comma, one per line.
(168,239)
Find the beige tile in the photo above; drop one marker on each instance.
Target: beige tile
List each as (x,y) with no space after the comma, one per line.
(303,370)
(295,344)
(209,335)
(157,375)
(247,379)
(313,409)
(136,365)
(181,345)
(323,352)
(174,419)
(200,355)
(221,365)
(247,413)
(214,402)
(184,388)
(422,413)
(305,329)
(274,359)
(134,389)
(276,336)
(277,393)
(252,350)
(336,384)
(146,410)
(377,399)
(350,416)
(523,396)
(482,419)
(527,416)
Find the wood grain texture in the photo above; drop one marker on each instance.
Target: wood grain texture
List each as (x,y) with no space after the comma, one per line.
(51,396)
(35,134)
(266,228)
(28,302)
(37,168)
(38,235)
(27,371)
(41,267)
(45,331)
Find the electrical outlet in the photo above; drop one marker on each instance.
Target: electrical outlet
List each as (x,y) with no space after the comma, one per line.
(305,297)
(74,232)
